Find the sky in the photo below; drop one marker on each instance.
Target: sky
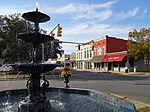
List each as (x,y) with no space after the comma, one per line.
(85,20)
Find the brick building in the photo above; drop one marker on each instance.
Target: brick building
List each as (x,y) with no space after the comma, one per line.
(109,53)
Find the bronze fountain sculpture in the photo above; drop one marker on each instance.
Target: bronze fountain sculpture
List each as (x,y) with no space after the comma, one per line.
(36,100)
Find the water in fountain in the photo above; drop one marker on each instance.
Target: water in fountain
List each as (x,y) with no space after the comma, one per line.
(7,103)
(73,100)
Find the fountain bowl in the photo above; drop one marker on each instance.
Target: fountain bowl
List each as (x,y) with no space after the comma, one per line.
(34,68)
(70,100)
(35,38)
(36,17)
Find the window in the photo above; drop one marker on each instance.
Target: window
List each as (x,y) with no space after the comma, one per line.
(87,53)
(122,64)
(81,55)
(99,51)
(84,54)
(90,53)
(115,64)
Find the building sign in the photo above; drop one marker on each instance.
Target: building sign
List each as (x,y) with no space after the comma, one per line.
(114,58)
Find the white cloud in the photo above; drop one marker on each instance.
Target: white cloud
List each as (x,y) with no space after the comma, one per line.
(75,29)
(129,14)
(72,8)
(69,8)
(104,5)
(8,10)
(86,11)
(103,15)
(89,31)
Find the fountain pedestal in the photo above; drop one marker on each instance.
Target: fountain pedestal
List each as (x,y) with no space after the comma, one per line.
(36,100)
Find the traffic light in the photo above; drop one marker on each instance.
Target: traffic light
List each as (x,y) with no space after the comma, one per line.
(78,46)
(59,31)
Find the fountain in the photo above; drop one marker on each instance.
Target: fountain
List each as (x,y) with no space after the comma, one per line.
(36,100)
(61,99)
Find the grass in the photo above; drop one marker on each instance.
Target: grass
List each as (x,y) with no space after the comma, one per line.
(17,77)
(145,109)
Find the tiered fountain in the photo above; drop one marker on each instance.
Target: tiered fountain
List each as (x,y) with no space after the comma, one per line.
(61,99)
(36,100)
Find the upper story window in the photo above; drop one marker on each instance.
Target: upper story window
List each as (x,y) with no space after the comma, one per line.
(99,51)
(84,54)
(79,55)
(87,53)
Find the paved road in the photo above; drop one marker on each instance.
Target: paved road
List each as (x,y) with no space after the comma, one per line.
(136,87)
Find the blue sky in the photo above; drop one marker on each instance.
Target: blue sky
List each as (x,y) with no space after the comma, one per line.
(84,20)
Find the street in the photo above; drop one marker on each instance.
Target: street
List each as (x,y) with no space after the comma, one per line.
(136,87)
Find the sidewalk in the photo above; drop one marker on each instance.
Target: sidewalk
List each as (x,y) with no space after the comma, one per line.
(114,72)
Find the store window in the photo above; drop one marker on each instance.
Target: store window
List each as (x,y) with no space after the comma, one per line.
(122,64)
(115,64)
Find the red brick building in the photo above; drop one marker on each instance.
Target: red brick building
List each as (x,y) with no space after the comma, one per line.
(109,53)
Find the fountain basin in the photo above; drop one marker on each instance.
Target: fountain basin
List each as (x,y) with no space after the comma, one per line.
(35,68)
(36,17)
(35,37)
(69,100)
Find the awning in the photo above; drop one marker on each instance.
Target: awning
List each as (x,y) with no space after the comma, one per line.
(114,58)
(97,59)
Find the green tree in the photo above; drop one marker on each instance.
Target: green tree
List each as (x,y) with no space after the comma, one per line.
(10,46)
(139,44)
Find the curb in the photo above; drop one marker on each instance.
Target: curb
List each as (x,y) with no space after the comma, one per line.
(138,104)
(121,73)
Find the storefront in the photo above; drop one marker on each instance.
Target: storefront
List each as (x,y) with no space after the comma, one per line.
(115,62)
(97,62)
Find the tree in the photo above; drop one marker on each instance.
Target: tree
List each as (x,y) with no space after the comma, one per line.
(139,44)
(10,46)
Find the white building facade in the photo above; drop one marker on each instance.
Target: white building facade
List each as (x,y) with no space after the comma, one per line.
(83,55)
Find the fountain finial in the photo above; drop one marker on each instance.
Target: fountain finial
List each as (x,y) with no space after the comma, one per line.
(37,6)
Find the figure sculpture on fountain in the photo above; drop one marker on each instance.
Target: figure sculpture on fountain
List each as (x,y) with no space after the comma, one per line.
(44,85)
